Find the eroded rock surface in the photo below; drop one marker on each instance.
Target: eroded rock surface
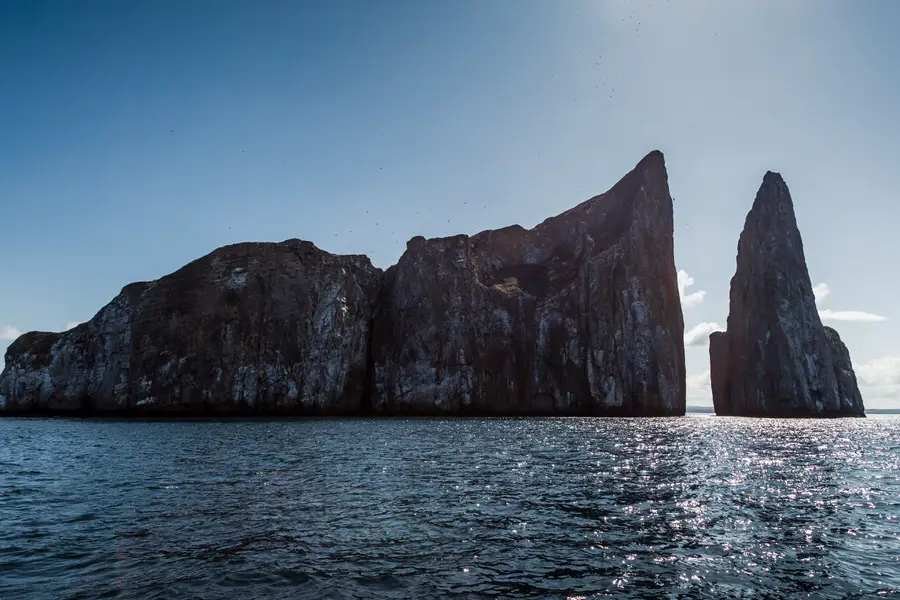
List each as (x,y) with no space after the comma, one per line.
(848,390)
(250,328)
(776,358)
(580,315)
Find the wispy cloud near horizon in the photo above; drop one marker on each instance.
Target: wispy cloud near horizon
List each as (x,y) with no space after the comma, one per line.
(879,381)
(878,372)
(849,315)
(822,291)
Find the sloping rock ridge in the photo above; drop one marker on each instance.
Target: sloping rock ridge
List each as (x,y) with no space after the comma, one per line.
(578,316)
(248,329)
(776,358)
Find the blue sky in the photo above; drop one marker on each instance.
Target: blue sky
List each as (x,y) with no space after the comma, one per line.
(140,135)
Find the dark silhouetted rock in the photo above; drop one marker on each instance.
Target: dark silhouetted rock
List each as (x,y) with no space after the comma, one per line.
(776,358)
(848,389)
(247,329)
(580,315)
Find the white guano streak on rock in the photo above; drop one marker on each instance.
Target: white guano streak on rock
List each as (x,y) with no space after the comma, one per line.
(236,279)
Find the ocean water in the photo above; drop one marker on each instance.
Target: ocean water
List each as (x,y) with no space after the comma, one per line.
(694,507)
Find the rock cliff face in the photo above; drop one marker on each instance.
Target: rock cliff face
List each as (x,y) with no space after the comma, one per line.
(776,358)
(248,329)
(580,315)
(851,401)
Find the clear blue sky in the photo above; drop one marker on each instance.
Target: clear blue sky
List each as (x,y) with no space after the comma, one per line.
(136,136)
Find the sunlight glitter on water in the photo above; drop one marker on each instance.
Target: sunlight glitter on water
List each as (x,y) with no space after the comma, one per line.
(477,508)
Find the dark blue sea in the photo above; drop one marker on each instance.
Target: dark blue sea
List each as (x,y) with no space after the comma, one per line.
(693,507)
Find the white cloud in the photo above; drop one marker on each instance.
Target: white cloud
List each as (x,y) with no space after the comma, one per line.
(848,315)
(881,371)
(697,387)
(9,333)
(880,396)
(698,335)
(879,382)
(694,298)
(698,381)
(820,291)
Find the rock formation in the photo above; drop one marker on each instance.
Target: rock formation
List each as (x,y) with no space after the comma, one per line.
(580,315)
(248,329)
(776,358)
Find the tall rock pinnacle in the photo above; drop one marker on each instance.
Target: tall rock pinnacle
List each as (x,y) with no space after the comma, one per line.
(776,358)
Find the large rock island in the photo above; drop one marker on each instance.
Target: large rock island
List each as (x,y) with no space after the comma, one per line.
(578,316)
(776,359)
(248,329)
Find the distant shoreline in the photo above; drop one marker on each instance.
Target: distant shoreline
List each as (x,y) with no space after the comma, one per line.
(869,411)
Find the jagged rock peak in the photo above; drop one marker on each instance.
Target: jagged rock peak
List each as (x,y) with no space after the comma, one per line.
(579,315)
(773,199)
(776,358)
(653,159)
(773,178)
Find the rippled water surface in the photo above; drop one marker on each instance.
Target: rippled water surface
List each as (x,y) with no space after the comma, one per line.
(697,507)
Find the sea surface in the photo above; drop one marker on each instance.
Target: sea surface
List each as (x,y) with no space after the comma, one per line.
(693,507)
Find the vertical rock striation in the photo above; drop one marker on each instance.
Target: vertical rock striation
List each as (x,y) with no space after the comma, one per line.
(776,358)
(851,401)
(248,329)
(580,315)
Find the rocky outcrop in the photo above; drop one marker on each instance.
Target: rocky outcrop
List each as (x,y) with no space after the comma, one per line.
(580,315)
(776,358)
(851,401)
(248,329)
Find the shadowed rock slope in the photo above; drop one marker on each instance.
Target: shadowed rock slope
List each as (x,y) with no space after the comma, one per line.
(580,315)
(776,358)
(248,329)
